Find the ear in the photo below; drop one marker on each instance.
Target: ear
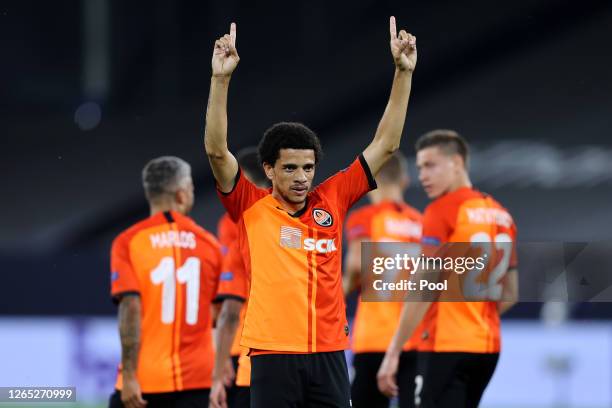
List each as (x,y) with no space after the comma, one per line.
(405,181)
(269,170)
(458,162)
(180,196)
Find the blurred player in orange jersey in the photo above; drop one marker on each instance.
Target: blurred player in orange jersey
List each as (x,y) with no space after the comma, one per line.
(164,275)
(291,237)
(233,293)
(461,340)
(388,218)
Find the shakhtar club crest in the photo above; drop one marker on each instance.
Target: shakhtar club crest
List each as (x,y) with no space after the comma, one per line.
(322,217)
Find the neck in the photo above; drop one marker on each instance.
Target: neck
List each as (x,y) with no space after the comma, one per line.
(386,193)
(462,181)
(157,208)
(290,207)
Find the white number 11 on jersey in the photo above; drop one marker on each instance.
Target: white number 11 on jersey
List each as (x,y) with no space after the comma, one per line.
(189,273)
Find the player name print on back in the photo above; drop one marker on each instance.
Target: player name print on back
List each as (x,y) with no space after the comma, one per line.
(167,239)
(403,228)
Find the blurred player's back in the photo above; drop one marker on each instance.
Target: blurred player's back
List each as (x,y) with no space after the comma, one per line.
(172,265)
(164,275)
(375,322)
(461,340)
(468,216)
(387,219)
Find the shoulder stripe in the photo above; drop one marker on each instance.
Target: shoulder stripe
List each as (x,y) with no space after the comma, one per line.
(236,179)
(368,172)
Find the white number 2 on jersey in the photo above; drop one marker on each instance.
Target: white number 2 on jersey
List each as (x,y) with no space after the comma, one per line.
(189,273)
(493,290)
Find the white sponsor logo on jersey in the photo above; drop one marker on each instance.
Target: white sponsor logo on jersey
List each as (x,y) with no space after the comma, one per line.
(291,237)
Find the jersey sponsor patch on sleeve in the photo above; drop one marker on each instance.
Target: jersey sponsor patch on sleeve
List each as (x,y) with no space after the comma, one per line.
(430,241)
(227,276)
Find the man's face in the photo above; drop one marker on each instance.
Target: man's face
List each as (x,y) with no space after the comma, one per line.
(437,170)
(292,174)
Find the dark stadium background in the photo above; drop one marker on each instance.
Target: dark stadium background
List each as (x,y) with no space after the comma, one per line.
(92,89)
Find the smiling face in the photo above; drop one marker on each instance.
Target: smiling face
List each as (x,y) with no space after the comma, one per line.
(439,172)
(292,175)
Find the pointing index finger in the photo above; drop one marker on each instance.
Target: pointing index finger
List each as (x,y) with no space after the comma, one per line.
(392,29)
(233,33)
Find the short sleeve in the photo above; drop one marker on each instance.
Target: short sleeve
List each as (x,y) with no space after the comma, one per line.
(358,226)
(350,184)
(233,283)
(123,277)
(241,197)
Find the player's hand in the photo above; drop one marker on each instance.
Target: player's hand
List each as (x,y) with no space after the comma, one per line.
(218,398)
(403,48)
(225,57)
(229,374)
(131,395)
(386,375)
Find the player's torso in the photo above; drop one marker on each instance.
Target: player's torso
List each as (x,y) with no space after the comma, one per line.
(233,270)
(295,302)
(482,225)
(375,322)
(175,269)
(227,232)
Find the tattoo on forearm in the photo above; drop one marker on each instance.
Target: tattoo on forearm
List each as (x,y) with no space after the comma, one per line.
(129,331)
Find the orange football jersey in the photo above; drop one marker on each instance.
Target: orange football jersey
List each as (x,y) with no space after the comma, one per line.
(294,262)
(233,282)
(174,266)
(375,322)
(243,375)
(469,216)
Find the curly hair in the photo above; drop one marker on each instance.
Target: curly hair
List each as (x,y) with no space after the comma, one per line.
(287,135)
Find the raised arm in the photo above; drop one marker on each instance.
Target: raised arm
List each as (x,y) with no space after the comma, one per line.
(224,61)
(389,131)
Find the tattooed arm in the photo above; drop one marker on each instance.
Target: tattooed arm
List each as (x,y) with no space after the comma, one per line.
(129,331)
